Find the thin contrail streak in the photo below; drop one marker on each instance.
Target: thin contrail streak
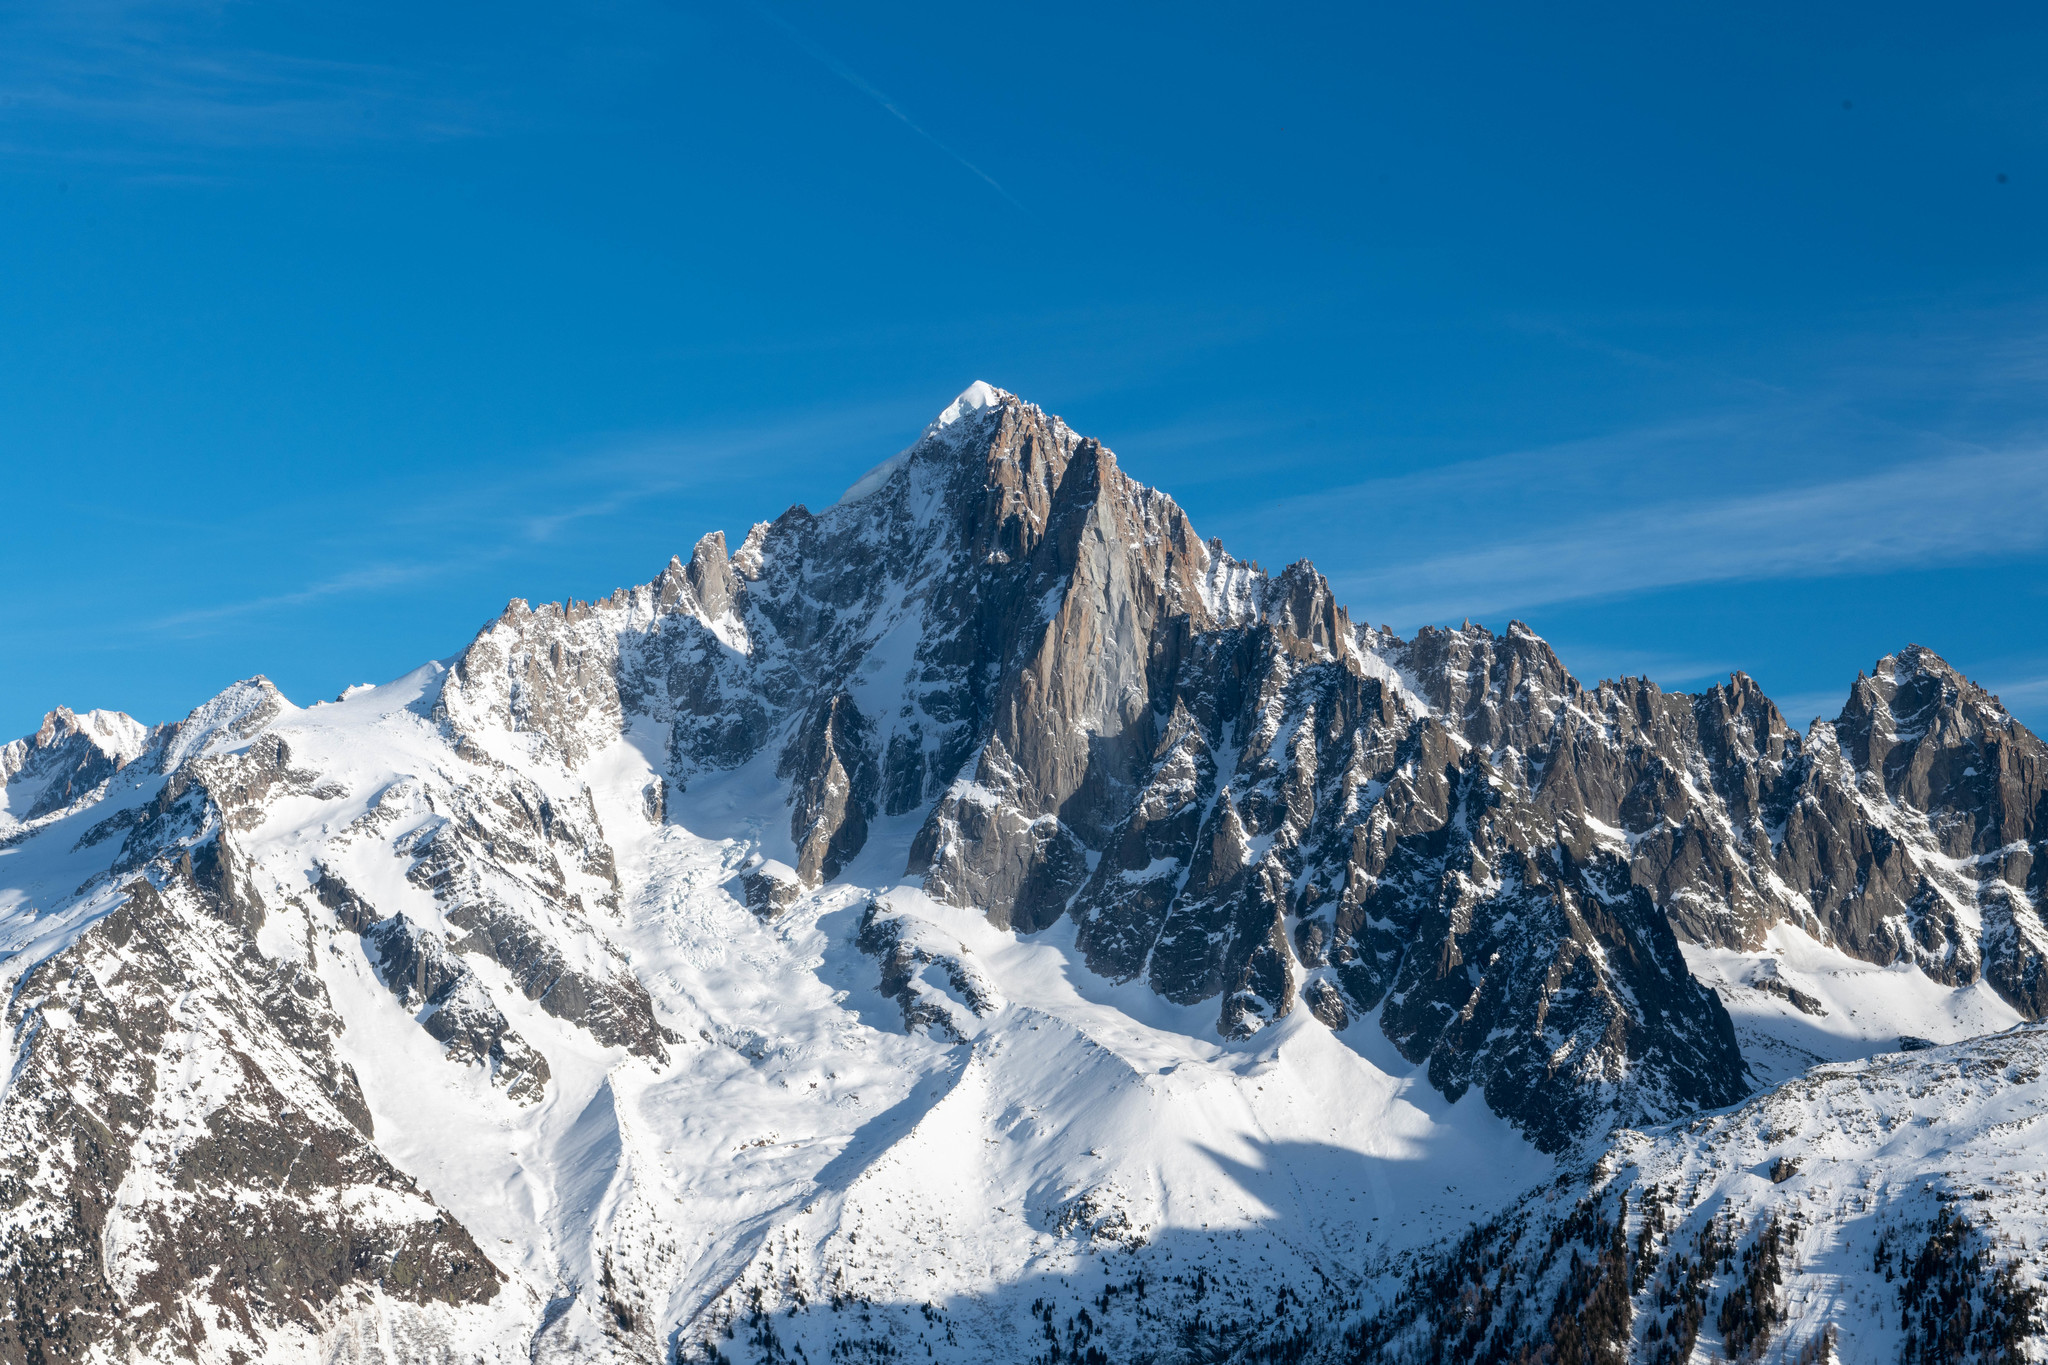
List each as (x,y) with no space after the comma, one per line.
(853,78)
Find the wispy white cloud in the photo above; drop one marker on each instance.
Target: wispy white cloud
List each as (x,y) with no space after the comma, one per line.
(540,498)
(1801,709)
(1958,508)
(367,578)
(516,512)
(1608,661)
(2028,693)
(123,81)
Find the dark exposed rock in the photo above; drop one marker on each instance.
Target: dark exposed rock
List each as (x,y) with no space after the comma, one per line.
(770,888)
(213,865)
(1097,568)
(507,852)
(242,785)
(905,947)
(1567,1001)
(540,673)
(454,1007)
(1799,1000)
(66,764)
(176,814)
(835,785)
(1326,1003)
(1124,905)
(355,914)
(166,985)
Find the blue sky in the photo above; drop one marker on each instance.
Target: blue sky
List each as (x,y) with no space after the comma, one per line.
(1697,337)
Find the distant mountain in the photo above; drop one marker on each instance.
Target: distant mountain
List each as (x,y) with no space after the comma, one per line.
(983,921)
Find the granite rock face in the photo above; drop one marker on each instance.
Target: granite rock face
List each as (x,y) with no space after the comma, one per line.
(832,759)
(454,1007)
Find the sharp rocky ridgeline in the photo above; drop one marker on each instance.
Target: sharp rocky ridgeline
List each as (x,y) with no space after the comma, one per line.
(595,994)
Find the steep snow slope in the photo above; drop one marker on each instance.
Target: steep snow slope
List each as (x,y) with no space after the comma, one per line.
(1797,1002)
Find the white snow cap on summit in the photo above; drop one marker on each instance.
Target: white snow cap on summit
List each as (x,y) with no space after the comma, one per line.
(976,397)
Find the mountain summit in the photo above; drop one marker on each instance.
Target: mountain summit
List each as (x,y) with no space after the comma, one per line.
(838,943)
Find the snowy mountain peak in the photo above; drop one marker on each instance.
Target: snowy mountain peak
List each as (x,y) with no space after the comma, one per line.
(874,479)
(955,423)
(233,716)
(115,733)
(976,398)
(64,763)
(984,914)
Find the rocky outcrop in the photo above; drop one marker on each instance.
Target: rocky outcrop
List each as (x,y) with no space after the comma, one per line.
(768,887)
(454,1007)
(1923,807)
(510,869)
(835,785)
(1098,576)
(178,1117)
(64,764)
(904,947)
